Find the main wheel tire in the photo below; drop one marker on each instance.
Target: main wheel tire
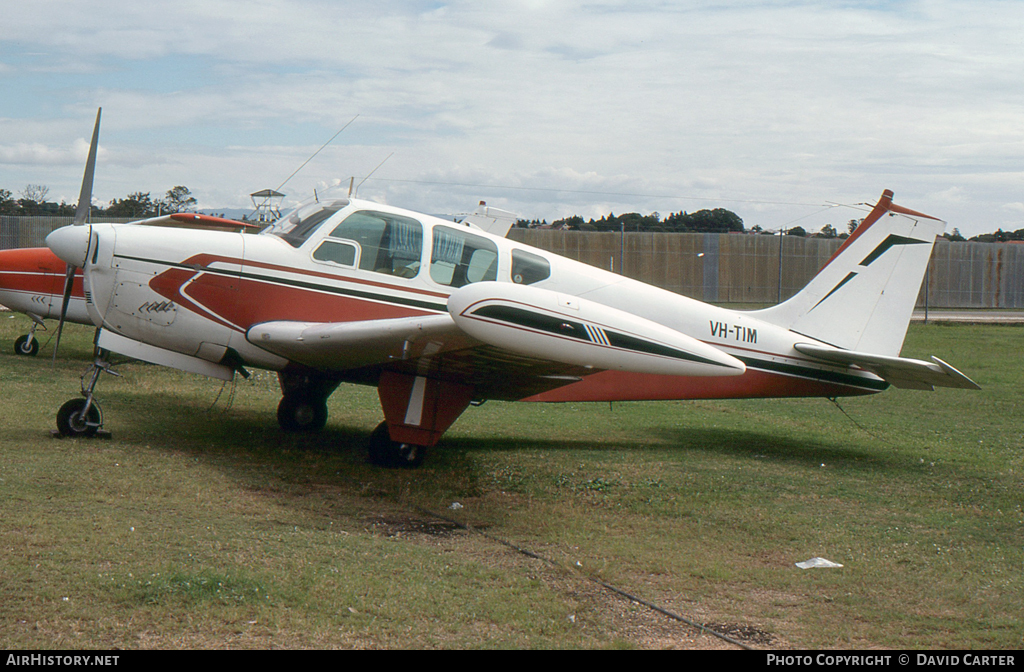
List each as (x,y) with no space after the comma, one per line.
(391,454)
(26,345)
(70,421)
(298,414)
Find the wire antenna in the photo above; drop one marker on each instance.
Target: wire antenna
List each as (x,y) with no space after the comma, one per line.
(371,173)
(316,152)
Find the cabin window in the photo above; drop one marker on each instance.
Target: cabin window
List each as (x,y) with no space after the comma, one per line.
(381,242)
(298,226)
(460,258)
(528,268)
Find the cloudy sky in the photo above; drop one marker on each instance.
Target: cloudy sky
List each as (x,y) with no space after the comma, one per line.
(775,110)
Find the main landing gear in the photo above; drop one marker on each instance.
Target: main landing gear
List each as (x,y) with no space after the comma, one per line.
(303,406)
(83,417)
(394,454)
(417,411)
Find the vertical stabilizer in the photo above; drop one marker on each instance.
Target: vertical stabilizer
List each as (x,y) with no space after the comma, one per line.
(863,298)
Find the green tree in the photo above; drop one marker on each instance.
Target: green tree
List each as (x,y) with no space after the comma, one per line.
(137,205)
(8,206)
(718,220)
(179,199)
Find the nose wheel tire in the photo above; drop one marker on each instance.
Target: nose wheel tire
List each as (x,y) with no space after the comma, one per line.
(391,454)
(297,414)
(72,422)
(26,345)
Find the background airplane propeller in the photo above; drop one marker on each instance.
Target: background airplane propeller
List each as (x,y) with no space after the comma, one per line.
(81,217)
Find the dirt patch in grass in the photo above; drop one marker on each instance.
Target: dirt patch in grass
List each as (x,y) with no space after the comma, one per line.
(398,526)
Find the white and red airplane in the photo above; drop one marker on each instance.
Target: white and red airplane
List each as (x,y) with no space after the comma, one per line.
(32,279)
(437,315)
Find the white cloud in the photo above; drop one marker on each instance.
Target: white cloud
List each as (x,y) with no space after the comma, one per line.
(643,102)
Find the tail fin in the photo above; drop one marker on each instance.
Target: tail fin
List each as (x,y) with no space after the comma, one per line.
(863,298)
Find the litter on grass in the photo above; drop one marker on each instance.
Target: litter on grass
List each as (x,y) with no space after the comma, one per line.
(817,562)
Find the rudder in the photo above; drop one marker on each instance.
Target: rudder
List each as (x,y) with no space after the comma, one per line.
(864,296)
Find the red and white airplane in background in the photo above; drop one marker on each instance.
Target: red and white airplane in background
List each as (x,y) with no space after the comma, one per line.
(32,282)
(437,315)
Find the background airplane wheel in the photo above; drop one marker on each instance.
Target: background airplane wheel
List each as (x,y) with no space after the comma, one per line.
(25,346)
(387,453)
(70,421)
(298,414)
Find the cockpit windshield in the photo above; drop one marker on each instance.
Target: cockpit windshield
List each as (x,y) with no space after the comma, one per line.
(297,226)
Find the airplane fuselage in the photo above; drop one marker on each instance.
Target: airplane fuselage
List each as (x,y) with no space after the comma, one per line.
(200,293)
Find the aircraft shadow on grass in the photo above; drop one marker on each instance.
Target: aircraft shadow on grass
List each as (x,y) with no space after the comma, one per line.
(202,427)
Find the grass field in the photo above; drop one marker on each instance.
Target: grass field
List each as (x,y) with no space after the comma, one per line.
(199,524)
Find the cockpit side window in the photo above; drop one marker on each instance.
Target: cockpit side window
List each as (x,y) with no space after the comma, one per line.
(384,243)
(460,258)
(528,268)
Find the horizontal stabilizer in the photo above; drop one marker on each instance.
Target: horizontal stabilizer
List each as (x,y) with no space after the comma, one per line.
(492,220)
(901,372)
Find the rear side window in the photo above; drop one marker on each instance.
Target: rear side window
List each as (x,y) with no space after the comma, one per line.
(460,258)
(528,268)
(379,242)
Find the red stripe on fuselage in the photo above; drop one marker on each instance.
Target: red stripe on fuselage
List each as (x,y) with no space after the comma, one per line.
(255,301)
(240,302)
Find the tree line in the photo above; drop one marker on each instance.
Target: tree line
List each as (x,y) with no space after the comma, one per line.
(138,205)
(720,220)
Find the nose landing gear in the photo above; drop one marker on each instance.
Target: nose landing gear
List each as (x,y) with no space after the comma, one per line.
(27,345)
(83,418)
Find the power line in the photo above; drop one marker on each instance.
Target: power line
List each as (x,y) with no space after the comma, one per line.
(592,192)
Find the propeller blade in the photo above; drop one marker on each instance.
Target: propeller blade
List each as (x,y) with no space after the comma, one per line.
(85,197)
(69,282)
(81,216)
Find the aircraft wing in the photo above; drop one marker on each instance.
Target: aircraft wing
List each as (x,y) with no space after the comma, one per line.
(425,345)
(902,372)
(507,341)
(341,346)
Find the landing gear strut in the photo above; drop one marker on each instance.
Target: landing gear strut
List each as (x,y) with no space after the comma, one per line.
(83,417)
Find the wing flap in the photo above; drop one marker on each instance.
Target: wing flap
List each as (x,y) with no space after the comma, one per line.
(901,372)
